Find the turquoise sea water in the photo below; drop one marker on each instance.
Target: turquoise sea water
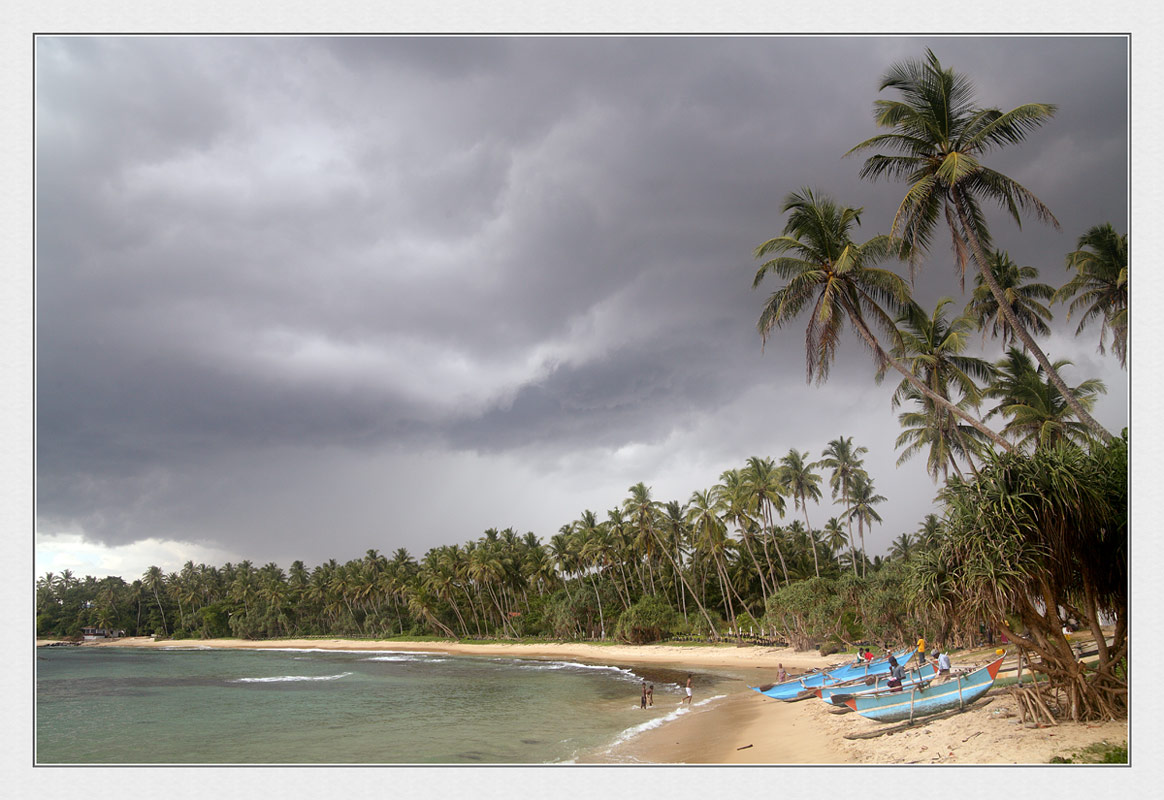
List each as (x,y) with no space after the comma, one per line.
(201,706)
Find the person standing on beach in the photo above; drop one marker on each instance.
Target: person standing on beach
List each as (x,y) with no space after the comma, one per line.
(921,651)
(643,701)
(687,699)
(651,695)
(781,675)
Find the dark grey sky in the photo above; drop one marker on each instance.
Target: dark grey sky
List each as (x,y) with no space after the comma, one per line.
(302,297)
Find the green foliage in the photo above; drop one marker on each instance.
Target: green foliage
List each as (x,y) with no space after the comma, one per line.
(651,619)
(1098,753)
(805,612)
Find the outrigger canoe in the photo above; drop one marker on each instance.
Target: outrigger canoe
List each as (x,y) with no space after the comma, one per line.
(798,686)
(919,702)
(837,694)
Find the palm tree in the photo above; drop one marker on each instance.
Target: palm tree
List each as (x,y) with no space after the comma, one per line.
(901,547)
(643,514)
(939,137)
(1037,412)
(845,461)
(1100,285)
(762,479)
(803,484)
(1022,292)
(863,499)
(834,535)
(930,531)
(711,537)
(154,580)
(927,427)
(735,496)
(828,270)
(932,346)
(594,550)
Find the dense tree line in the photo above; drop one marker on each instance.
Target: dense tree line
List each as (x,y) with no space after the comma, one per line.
(715,561)
(1033,528)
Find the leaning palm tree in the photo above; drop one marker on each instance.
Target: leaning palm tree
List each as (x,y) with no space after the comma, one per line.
(825,269)
(939,137)
(1022,291)
(1100,285)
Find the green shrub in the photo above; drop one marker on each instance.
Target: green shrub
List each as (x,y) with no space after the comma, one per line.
(651,619)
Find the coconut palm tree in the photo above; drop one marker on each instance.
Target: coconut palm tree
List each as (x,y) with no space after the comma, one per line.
(826,269)
(154,580)
(863,498)
(711,537)
(762,478)
(1025,295)
(1037,412)
(594,550)
(803,484)
(932,347)
(925,427)
(939,137)
(845,462)
(1100,285)
(735,496)
(901,547)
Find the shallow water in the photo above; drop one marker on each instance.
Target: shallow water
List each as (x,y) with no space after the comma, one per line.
(201,706)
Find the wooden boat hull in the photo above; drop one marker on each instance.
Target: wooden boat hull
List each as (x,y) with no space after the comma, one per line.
(918,702)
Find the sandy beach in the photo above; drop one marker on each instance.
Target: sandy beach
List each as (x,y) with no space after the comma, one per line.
(745,727)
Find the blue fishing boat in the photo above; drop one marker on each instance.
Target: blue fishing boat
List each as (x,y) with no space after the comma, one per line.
(796,687)
(909,704)
(837,694)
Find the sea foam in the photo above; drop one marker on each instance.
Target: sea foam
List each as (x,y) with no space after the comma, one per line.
(291,678)
(651,724)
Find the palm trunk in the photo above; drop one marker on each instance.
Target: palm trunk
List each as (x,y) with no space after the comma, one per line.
(679,572)
(1018,328)
(601,620)
(808,525)
(756,564)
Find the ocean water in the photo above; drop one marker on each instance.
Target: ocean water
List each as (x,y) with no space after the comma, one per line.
(201,706)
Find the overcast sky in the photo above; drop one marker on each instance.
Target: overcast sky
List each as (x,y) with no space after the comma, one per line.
(301,297)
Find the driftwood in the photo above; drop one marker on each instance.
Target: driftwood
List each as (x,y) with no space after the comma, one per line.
(919,721)
(1032,705)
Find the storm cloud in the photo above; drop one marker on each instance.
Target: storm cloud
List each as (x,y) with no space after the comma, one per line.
(302,296)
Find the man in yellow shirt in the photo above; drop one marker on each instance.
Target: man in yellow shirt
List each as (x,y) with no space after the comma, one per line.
(921,650)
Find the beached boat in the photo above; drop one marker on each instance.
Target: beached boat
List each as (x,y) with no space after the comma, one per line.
(790,689)
(837,694)
(919,702)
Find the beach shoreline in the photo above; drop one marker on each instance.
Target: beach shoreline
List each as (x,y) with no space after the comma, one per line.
(743,726)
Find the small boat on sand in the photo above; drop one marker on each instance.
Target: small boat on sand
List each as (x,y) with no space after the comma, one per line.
(837,694)
(790,689)
(908,704)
